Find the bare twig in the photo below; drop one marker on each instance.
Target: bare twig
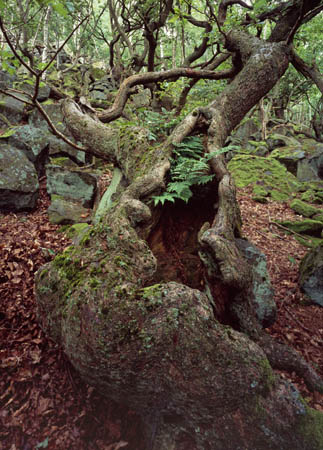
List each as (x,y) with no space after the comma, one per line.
(10,94)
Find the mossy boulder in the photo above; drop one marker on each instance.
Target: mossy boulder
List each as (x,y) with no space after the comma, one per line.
(311,274)
(34,142)
(304,208)
(312,196)
(306,226)
(309,241)
(266,175)
(289,156)
(245,130)
(257,148)
(278,140)
(311,168)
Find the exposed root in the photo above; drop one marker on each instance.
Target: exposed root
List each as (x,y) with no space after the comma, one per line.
(283,357)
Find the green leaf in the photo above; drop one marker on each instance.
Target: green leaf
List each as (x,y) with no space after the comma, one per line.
(259,4)
(292,260)
(59,7)
(43,444)
(9,132)
(162,198)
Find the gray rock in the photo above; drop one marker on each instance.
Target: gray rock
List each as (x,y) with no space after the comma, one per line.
(246,130)
(65,212)
(57,145)
(311,274)
(54,113)
(12,109)
(290,157)
(311,168)
(73,184)
(100,88)
(276,140)
(263,293)
(34,142)
(43,91)
(142,99)
(6,80)
(18,180)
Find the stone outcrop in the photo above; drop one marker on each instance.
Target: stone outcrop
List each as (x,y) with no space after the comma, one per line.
(73,184)
(18,180)
(262,291)
(311,275)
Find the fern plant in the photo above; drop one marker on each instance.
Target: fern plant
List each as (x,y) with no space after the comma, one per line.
(189,167)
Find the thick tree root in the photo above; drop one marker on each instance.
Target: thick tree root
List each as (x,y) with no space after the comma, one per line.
(282,357)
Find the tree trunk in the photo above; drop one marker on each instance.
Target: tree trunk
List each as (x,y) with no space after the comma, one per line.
(152,305)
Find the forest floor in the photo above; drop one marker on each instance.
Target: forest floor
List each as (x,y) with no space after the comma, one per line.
(44,403)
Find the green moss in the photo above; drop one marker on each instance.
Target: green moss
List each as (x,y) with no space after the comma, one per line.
(269,375)
(279,196)
(61,161)
(44,289)
(43,273)
(303,208)
(308,226)
(309,241)
(76,229)
(311,428)
(266,175)
(259,191)
(311,197)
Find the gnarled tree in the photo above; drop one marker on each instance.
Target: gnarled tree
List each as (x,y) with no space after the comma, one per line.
(161,317)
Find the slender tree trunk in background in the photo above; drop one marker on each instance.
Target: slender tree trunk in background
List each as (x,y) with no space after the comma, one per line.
(263,119)
(44,56)
(174,47)
(183,43)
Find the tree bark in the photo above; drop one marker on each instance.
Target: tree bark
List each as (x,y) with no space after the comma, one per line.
(186,353)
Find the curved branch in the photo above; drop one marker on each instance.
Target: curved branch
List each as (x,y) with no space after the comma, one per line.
(296,25)
(154,77)
(119,28)
(309,72)
(200,50)
(289,14)
(224,5)
(211,66)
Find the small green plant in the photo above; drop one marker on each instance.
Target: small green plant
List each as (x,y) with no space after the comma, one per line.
(189,167)
(158,124)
